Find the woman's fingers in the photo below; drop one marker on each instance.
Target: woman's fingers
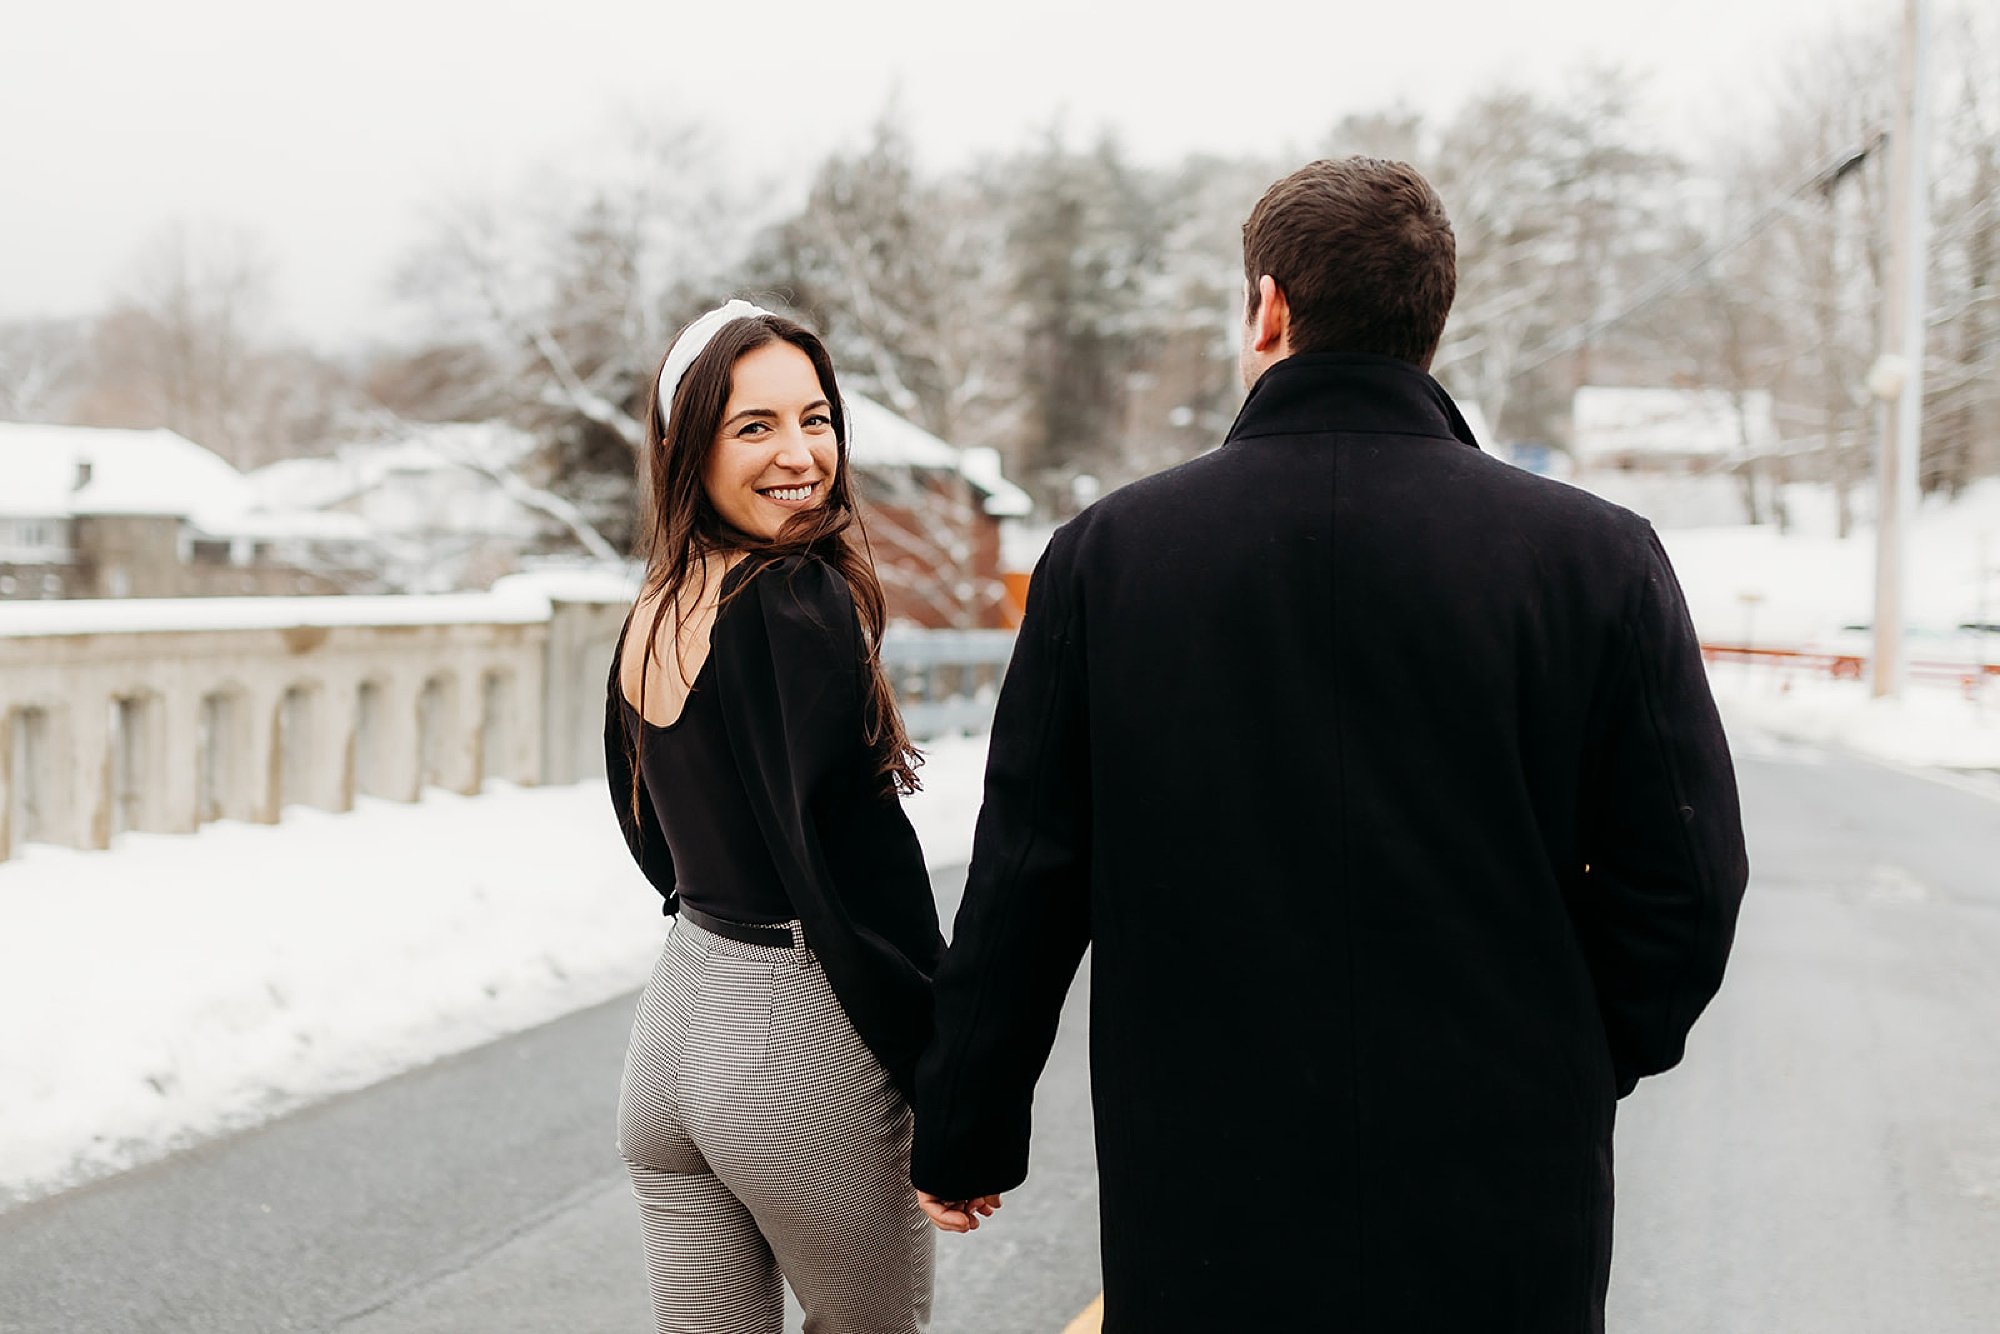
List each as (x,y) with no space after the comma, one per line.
(947,1215)
(957,1215)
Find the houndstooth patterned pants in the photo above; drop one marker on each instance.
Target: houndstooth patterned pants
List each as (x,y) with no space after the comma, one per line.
(766,1142)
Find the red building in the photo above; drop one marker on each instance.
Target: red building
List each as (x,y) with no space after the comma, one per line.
(934,515)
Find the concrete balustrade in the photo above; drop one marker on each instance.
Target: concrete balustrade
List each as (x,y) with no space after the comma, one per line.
(159,716)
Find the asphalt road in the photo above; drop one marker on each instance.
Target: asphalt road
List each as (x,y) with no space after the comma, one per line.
(481,1193)
(1827,1160)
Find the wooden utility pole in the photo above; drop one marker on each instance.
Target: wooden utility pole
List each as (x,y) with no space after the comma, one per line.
(1898,379)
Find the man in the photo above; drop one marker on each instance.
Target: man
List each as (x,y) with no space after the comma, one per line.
(1385,780)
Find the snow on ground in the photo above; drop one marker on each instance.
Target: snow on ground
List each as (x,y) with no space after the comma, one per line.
(1753,585)
(246,970)
(1801,587)
(1931,726)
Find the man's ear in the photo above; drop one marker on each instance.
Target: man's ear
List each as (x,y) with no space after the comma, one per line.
(1272,324)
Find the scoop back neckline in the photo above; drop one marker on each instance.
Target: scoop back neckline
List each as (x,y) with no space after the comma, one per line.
(693,687)
(737,570)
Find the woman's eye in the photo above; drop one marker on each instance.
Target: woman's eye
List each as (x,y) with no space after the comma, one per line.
(752,430)
(819,419)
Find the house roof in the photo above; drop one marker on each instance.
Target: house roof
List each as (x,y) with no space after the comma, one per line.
(317,483)
(1680,422)
(156,472)
(879,438)
(130,472)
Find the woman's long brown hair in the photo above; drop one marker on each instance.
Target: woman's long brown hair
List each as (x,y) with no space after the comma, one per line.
(679,526)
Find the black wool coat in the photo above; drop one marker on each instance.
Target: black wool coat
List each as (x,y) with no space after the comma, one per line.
(789,667)
(1385,782)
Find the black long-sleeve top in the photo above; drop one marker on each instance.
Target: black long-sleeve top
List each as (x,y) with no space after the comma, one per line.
(787,663)
(721,866)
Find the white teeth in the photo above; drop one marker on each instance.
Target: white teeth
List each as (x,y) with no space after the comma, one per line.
(788,492)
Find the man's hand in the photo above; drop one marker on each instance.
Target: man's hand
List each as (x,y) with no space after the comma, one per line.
(957,1215)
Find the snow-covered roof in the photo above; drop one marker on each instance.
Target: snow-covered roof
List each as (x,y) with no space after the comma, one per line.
(157,472)
(130,472)
(1713,423)
(306,483)
(1022,544)
(304,525)
(316,483)
(878,438)
(1004,500)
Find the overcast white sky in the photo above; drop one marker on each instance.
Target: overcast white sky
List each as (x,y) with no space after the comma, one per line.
(326,130)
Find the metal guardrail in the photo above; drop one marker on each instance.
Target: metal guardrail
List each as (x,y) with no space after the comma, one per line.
(1967,676)
(946,681)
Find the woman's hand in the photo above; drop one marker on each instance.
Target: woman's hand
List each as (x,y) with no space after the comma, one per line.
(957,1215)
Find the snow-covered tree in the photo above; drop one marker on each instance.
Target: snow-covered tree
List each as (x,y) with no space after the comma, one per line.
(905,278)
(553,309)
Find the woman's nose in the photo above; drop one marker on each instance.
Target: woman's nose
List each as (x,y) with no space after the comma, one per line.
(793,452)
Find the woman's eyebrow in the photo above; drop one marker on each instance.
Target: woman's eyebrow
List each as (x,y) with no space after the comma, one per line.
(771,413)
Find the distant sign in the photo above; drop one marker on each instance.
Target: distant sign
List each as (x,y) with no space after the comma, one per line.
(1535,456)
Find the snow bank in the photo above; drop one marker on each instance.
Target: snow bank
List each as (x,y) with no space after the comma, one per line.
(177,987)
(575,583)
(1930,727)
(1752,585)
(1797,589)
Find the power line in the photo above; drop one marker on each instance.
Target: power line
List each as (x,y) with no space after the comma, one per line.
(1825,178)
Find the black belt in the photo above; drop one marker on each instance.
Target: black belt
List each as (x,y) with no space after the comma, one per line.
(742,932)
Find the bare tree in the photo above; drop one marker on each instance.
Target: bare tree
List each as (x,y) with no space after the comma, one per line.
(1964,365)
(1810,278)
(558,305)
(1562,208)
(1186,392)
(190,344)
(905,278)
(41,364)
(925,527)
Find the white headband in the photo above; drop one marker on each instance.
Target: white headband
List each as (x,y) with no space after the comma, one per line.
(690,344)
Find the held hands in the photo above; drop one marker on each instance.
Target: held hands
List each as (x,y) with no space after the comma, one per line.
(957,1215)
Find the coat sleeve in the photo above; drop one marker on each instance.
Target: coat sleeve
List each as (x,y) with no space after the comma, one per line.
(1025,918)
(645,838)
(1662,836)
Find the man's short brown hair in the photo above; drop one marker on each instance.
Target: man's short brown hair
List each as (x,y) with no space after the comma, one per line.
(1364,254)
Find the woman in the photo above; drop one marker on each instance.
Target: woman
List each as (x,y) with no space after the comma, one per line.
(755,758)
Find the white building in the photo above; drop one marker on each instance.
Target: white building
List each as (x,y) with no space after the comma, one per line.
(1669,430)
(446,505)
(90,512)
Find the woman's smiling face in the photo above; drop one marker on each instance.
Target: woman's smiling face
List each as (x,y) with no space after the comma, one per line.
(775,453)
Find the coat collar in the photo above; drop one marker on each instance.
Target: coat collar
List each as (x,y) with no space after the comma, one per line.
(1340,393)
